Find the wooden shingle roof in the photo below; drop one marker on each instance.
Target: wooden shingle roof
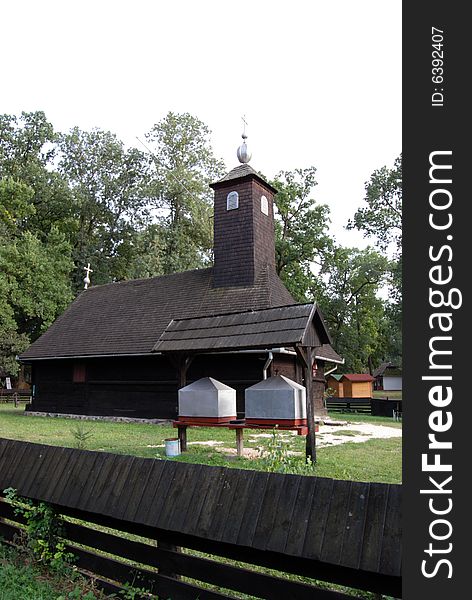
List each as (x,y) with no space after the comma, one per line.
(326,352)
(391,369)
(242,172)
(266,328)
(129,317)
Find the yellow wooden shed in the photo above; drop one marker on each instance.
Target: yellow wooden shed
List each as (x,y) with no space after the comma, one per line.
(357,385)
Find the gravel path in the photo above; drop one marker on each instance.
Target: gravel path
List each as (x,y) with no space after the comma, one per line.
(333,435)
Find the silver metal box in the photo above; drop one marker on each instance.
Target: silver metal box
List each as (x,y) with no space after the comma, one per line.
(209,399)
(276,399)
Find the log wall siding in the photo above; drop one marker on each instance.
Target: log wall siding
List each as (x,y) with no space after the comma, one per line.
(335,385)
(357,389)
(146,387)
(136,387)
(338,531)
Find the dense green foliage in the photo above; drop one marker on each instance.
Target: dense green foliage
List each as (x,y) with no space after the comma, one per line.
(107,184)
(349,295)
(35,254)
(43,530)
(184,167)
(302,240)
(380,218)
(67,199)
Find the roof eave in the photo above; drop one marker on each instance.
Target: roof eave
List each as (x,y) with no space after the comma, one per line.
(28,359)
(335,361)
(315,311)
(224,183)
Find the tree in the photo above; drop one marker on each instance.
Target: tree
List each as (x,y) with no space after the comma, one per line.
(302,239)
(25,144)
(34,274)
(184,166)
(15,206)
(110,203)
(347,291)
(382,219)
(37,274)
(11,342)
(27,155)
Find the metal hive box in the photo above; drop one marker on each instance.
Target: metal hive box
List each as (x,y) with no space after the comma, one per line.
(207,400)
(276,400)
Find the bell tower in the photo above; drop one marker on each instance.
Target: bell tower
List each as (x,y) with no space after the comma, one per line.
(244,239)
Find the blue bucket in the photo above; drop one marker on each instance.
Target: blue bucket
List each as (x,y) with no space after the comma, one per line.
(172,446)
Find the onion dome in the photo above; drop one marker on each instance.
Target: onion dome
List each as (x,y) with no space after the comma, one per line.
(243,154)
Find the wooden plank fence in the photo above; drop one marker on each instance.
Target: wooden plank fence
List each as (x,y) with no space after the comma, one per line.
(341,532)
(346,405)
(14,395)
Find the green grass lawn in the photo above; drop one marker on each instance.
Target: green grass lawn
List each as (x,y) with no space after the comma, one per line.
(18,582)
(21,579)
(392,395)
(375,460)
(362,418)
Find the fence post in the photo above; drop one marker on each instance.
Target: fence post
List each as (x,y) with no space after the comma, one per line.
(166,569)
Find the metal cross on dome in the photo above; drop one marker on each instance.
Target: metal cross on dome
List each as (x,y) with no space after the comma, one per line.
(243,154)
(243,118)
(87,276)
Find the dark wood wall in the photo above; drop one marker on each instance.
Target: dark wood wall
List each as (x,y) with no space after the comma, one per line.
(244,237)
(138,387)
(286,365)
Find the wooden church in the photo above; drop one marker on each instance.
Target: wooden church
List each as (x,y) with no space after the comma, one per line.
(124,349)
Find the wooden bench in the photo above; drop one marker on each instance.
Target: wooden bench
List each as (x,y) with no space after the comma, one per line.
(238,427)
(342,532)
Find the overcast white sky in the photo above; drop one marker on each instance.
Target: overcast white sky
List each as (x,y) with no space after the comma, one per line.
(319,81)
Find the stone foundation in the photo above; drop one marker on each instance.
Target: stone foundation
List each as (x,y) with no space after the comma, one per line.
(98,418)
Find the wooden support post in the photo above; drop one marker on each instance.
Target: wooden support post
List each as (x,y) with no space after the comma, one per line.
(182,432)
(181,363)
(305,353)
(310,413)
(239,441)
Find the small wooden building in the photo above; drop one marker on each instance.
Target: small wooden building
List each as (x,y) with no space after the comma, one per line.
(350,385)
(333,382)
(124,349)
(388,377)
(357,385)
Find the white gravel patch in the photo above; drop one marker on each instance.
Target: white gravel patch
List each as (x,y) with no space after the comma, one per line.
(284,435)
(207,443)
(247,452)
(328,435)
